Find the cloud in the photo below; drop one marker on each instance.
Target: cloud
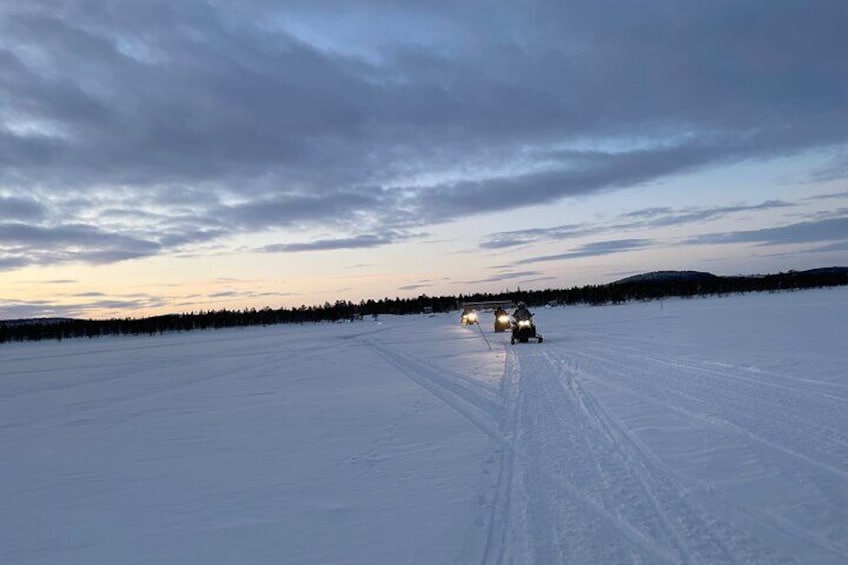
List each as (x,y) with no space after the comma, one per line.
(423,283)
(273,294)
(225,294)
(20,209)
(118,306)
(657,217)
(13,262)
(284,210)
(839,246)
(504,277)
(593,250)
(232,293)
(832,195)
(414,286)
(835,169)
(74,234)
(573,173)
(22,244)
(502,240)
(363,241)
(540,279)
(20,309)
(210,120)
(637,220)
(827,230)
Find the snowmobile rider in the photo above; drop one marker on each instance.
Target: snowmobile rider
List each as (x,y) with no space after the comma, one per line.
(522,313)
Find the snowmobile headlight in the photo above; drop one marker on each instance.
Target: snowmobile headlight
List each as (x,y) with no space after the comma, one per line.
(524,323)
(472,317)
(503,318)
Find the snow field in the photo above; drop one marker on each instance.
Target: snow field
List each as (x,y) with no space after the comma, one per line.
(683,431)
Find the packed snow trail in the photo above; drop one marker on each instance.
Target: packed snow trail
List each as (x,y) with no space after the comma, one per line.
(614,450)
(573,486)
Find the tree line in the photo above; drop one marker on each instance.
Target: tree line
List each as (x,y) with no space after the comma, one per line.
(685,285)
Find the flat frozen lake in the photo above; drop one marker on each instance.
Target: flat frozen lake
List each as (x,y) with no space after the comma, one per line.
(684,431)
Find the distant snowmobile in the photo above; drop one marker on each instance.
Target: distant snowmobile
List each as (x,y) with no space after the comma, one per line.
(468,317)
(502,321)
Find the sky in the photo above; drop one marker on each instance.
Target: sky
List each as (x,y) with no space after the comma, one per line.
(160,157)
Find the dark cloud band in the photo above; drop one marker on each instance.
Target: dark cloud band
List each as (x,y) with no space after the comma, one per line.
(212,119)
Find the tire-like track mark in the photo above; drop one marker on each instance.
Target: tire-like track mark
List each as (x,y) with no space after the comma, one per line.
(569,435)
(576,485)
(792,400)
(472,399)
(759,377)
(685,394)
(539,514)
(697,533)
(616,374)
(499,521)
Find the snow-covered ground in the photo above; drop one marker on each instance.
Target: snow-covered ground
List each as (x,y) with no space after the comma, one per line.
(684,431)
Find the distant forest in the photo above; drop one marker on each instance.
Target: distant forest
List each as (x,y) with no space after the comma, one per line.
(650,286)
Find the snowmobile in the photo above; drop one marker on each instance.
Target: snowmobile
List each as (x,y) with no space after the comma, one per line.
(502,321)
(524,330)
(468,317)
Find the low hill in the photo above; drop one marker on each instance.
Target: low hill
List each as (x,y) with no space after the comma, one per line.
(667,276)
(826,271)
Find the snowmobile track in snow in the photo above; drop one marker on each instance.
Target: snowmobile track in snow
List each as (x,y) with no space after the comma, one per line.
(686,394)
(575,484)
(622,369)
(551,467)
(591,491)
